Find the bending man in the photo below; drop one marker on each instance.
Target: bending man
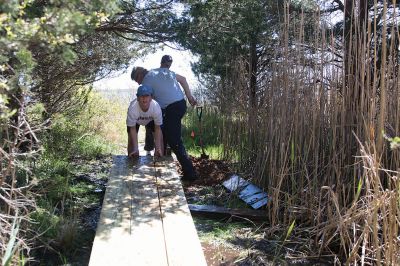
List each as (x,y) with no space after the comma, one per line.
(147,112)
(166,62)
(168,94)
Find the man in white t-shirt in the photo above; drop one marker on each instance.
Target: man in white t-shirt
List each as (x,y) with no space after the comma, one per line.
(168,93)
(144,111)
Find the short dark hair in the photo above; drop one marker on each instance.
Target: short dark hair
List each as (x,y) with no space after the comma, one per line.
(166,59)
(136,69)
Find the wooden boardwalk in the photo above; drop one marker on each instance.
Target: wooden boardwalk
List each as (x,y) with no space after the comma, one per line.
(145,219)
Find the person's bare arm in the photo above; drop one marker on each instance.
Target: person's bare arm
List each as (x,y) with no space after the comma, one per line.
(158,141)
(185,86)
(133,149)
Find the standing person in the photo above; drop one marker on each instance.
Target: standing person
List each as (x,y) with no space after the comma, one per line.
(168,93)
(147,112)
(166,62)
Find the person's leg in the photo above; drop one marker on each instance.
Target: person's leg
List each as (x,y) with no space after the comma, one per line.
(165,144)
(164,137)
(129,141)
(173,134)
(150,126)
(149,139)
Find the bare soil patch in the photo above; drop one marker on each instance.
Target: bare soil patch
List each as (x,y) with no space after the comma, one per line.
(223,242)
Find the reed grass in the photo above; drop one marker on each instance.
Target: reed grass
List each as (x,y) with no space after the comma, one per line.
(205,129)
(319,147)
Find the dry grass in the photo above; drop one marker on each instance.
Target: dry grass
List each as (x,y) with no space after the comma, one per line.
(15,199)
(318,145)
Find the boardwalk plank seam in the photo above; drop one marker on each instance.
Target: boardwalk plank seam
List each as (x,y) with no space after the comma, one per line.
(145,218)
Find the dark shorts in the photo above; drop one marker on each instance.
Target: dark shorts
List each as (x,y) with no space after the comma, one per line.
(149,125)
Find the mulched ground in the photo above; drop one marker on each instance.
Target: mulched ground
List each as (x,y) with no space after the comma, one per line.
(210,172)
(246,244)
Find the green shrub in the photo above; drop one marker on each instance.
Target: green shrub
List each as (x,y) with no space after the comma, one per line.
(72,139)
(95,129)
(208,131)
(45,222)
(49,166)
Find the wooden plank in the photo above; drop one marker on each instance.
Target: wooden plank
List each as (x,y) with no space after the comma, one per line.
(146,223)
(221,212)
(130,228)
(182,242)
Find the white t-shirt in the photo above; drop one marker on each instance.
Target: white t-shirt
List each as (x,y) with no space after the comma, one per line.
(137,116)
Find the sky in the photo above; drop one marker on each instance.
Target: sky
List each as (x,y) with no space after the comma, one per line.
(181,65)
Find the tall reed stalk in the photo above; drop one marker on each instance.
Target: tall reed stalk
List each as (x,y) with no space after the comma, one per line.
(320,151)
